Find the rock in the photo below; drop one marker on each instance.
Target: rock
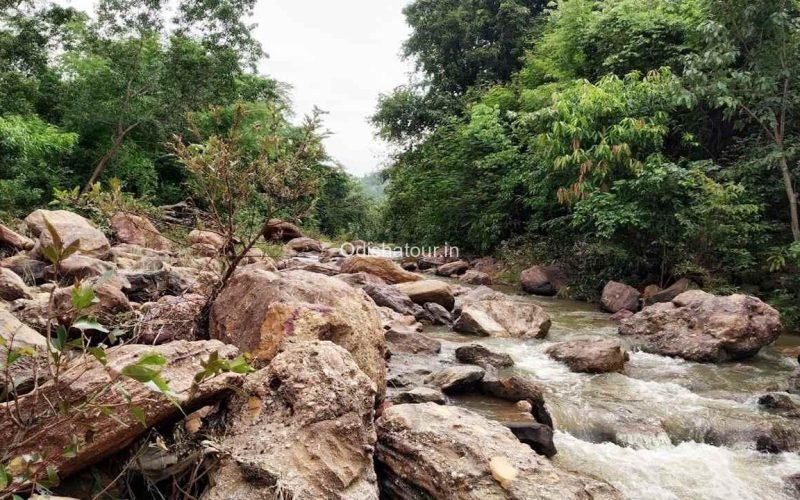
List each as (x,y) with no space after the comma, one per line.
(326,269)
(453,268)
(358,280)
(487,265)
(135,230)
(655,296)
(136,252)
(474,295)
(110,301)
(69,227)
(437,314)
(402,338)
(101,433)
(11,239)
(426,291)
(456,378)
(301,428)
(777,401)
(621,315)
(415,459)
(476,354)
(618,296)
(11,286)
(503,318)
(381,267)
(394,299)
(170,318)
(591,356)
(304,244)
(207,243)
(22,375)
(793,382)
(793,482)
(32,271)
(147,286)
(474,277)
(259,309)
(409,265)
(77,267)
(538,436)
(698,326)
(543,280)
(420,395)
(279,230)
(516,388)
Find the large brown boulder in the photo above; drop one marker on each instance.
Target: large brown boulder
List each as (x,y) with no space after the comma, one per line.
(77,267)
(654,295)
(69,227)
(543,280)
(258,310)
(503,318)
(444,452)
(301,428)
(136,230)
(591,356)
(279,230)
(206,243)
(386,269)
(170,318)
(394,299)
(86,388)
(405,338)
(426,291)
(698,326)
(12,239)
(453,268)
(618,296)
(304,244)
(474,277)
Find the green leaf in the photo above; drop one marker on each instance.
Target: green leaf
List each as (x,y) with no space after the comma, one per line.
(140,373)
(4,478)
(82,297)
(100,354)
(51,254)
(138,414)
(84,323)
(57,243)
(71,249)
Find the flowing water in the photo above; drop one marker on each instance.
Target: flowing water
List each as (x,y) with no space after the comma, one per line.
(666,428)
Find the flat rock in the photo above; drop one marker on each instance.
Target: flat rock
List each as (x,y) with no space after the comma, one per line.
(591,356)
(426,291)
(420,395)
(476,354)
(386,269)
(456,378)
(69,227)
(503,318)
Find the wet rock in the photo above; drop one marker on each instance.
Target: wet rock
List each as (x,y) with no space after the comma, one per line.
(426,291)
(135,230)
(304,244)
(698,326)
(793,382)
(620,315)
(476,354)
(259,309)
(207,243)
(538,436)
(503,318)
(543,280)
(11,239)
(170,318)
(303,428)
(591,356)
(793,482)
(384,268)
(402,338)
(655,296)
(618,296)
(360,279)
(453,268)
(11,286)
(438,315)
(394,299)
(32,271)
(420,395)
(103,433)
(516,388)
(474,277)
(69,227)
(279,230)
(456,378)
(417,443)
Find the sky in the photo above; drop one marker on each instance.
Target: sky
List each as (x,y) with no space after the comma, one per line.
(337,55)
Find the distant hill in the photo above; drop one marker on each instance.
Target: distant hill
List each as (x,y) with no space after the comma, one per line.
(373,185)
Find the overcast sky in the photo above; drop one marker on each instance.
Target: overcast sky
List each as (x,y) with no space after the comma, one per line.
(337,55)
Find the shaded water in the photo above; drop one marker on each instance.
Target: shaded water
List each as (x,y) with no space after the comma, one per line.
(666,428)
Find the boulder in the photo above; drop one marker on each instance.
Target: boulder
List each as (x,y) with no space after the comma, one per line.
(538,436)
(170,318)
(11,286)
(402,338)
(445,452)
(698,326)
(11,239)
(426,291)
(543,280)
(394,299)
(300,428)
(621,315)
(359,280)
(259,309)
(653,295)
(69,227)
(20,377)
(109,301)
(147,286)
(279,230)
(453,268)
(420,395)
(438,315)
(326,269)
(304,244)
(516,388)
(474,277)
(476,354)
(618,296)
(206,243)
(456,378)
(503,318)
(32,271)
(77,267)
(101,433)
(487,265)
(381,267)
(135,230)
(591,356)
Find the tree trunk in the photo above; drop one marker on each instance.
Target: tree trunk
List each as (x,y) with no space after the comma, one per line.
(116,143)
(792,196)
